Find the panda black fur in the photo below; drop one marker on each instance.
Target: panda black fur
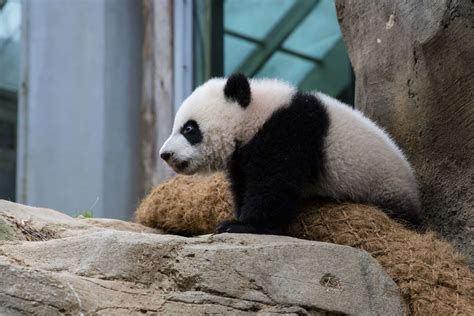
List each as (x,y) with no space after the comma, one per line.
(279,145)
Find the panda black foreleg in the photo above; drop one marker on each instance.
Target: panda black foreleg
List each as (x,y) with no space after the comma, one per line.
(263,213)
(265,200)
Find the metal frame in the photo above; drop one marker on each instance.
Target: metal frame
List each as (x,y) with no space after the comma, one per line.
(281,48)
(8,116)
(208,44)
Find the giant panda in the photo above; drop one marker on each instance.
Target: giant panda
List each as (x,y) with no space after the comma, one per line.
(279,145)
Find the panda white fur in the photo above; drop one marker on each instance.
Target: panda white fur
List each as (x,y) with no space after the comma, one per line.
(279,145)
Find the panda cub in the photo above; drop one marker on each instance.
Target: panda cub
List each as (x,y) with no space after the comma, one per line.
(279,145)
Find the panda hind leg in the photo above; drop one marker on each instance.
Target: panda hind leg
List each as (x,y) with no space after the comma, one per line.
(404,210)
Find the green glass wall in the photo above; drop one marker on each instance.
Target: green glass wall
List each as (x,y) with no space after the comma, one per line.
(294,40)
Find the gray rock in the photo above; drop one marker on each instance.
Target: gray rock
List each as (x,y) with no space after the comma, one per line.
(413,61)
(21,222)
(109,271)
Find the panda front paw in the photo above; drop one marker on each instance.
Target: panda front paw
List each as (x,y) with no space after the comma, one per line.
(236,227)
(222,227)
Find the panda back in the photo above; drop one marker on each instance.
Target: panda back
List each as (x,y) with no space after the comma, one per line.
(362,162)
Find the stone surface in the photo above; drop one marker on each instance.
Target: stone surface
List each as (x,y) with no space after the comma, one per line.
(413,63)
(109,271)
(21,222)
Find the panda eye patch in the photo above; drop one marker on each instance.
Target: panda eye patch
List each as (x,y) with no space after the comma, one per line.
(191,132)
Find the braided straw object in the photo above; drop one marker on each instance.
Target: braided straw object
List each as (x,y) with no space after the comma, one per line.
(433,278)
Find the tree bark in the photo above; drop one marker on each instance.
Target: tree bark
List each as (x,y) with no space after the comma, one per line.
(414,66)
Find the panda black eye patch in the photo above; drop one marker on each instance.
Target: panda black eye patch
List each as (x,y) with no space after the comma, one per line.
(191,132)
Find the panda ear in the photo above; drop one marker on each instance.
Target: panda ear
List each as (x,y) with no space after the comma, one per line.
(237,89)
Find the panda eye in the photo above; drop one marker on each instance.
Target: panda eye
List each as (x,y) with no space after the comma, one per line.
(188,129)
(191,132)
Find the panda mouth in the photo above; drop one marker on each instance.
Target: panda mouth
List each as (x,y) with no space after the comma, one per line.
(181,166)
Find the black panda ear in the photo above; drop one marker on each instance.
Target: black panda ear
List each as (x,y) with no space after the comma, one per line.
(237,89)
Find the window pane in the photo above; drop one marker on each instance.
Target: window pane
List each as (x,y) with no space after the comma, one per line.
(254,18)
(286,67)
(318,33)
(235,52)
(305,47)
(10,19)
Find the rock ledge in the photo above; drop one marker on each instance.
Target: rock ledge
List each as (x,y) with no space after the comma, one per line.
(102,270)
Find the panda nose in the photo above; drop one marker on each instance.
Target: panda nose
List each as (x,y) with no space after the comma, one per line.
(166,155)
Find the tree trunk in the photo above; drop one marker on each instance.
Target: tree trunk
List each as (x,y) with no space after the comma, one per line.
(414,66)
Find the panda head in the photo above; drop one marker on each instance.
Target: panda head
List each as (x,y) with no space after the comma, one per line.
(208,125)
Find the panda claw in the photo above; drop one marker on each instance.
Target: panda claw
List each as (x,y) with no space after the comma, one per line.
(237,227)
(224,227)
